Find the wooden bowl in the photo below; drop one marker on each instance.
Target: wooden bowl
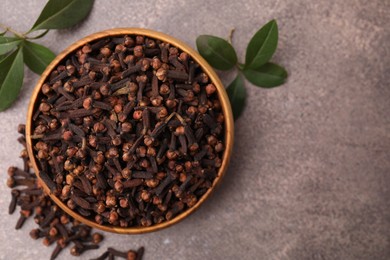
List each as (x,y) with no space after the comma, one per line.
(229,124)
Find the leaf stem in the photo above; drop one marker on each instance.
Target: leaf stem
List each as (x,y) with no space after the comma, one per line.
(9,29)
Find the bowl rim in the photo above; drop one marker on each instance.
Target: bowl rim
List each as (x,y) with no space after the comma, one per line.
(222,95)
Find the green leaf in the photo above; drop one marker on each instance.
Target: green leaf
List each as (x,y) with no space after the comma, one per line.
(262,46)
(36,56)
(216,51)
(267,76)
(237,95)
(8,44)
(11,78)
(59,14)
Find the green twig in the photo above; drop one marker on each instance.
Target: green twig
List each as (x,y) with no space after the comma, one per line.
(9,29)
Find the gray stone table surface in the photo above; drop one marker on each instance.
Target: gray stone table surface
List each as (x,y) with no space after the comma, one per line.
(310,173)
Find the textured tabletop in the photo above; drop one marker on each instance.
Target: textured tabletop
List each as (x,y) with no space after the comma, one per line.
(310,172)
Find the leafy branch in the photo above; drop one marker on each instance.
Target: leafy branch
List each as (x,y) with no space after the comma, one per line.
(18,48)
(257,69)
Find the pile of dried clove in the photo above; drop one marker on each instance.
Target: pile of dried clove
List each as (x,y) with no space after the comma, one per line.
(54,225)
(128,131)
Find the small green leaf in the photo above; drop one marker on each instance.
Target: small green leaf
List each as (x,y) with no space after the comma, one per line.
(36,56)
(237,95)
(59,14)
(216,51)
(262,46)
(8,44)
(11,78)
(267,76)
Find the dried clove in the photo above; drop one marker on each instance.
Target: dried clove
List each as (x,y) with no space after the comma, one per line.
(128,131)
